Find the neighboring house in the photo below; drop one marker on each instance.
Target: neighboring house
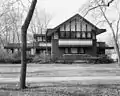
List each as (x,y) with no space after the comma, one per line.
(70,40)
(16,47)
(40,43)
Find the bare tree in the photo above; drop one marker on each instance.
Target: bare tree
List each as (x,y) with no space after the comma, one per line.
(99,10)
(10,21)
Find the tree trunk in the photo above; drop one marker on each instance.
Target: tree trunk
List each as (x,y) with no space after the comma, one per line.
(24,44)
(23,59)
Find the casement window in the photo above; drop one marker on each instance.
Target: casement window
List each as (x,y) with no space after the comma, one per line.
(73,25)
(44,39)
(81,50)
(62,34)
(78,34)
(83,35)
(55,35)
(67,34)
(73,34)
(39,38)
(66,51)
(89,35)
(74,50)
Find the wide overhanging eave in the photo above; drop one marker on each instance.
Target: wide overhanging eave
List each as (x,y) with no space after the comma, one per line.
(99,31)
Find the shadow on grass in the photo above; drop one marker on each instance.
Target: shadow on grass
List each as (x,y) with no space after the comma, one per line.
(30,86)
(64,89)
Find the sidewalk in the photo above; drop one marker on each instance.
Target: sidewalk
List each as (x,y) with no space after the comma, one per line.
(59,79)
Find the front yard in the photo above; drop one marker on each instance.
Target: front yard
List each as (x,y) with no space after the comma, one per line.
(62,80)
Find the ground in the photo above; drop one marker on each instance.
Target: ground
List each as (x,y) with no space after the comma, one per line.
(61,80)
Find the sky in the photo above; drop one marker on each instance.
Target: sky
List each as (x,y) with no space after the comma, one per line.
(60,10)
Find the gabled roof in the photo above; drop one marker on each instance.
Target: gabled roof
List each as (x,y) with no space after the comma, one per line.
(50,31)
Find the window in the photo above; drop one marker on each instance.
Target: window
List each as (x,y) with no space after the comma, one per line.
(73,33)
(44,39)
(83,35)
(78,34)
(39,38)
(62,34)
(81,51)
(66,51)
(89,35)
(74,50)
(55,35)
(67,34)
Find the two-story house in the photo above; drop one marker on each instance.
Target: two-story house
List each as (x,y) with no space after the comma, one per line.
(74,37)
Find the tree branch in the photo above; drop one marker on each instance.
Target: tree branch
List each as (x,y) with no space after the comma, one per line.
(104,5)
(118,22)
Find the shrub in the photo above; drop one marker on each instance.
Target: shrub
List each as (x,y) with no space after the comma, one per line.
(6,57)
(101,59)
(42,58)
(104,59)
(16,57)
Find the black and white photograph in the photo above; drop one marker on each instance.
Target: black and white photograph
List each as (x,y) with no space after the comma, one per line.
(59,47)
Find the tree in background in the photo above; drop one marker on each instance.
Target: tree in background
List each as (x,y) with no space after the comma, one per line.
(12,14)
(101,12)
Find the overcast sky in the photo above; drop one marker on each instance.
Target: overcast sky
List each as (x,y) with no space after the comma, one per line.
(60,9)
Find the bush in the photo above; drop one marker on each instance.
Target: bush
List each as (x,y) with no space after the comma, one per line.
(104,59)
(42,58)
(6,57)
(101,59)
(16,57)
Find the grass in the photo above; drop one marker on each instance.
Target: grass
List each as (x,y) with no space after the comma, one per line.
(63,88)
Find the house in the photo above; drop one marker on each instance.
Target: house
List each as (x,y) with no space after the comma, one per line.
(74,38)
(40,44)
(70,40)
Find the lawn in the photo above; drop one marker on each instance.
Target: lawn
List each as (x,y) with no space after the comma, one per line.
(62,80)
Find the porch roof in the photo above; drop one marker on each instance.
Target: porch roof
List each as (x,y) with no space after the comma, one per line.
(17,45)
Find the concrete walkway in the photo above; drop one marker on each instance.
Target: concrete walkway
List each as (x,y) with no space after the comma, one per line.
(59,79)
